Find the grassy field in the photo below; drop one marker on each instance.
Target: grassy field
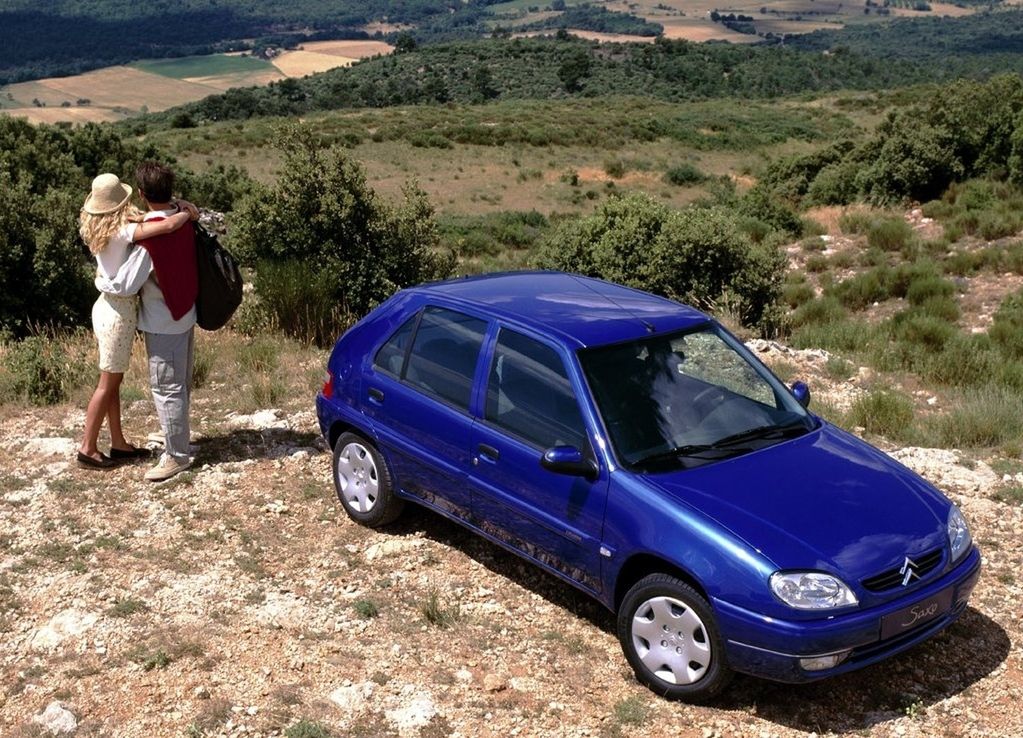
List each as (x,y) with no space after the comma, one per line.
(551,156)
(120,92)
(203,66)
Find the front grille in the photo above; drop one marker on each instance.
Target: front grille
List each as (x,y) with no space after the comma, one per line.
(925,563)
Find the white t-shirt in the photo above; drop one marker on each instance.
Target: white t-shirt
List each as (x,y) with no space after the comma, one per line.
(115,254)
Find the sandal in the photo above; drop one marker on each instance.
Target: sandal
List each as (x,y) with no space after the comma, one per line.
(88,462)
(131,453)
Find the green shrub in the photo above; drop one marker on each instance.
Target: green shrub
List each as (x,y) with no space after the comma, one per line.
(924,288)
(985,418)
(41,370)
(1006,333)
(683,175)
(926,330)
(843,335)
(614,168)
(307,729)
(863,289)
(697,255)
(964,361)
(994,225)
(942,307)
(817,263)
(202,365)
(889,234)
(326,247)
(796,294)
(885,412)
(825,309)
(855,222)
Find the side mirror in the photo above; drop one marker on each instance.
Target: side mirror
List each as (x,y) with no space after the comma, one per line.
(802,393)
(568,460)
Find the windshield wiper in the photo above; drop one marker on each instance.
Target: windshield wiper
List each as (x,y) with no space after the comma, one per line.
(762,431)
(691,450)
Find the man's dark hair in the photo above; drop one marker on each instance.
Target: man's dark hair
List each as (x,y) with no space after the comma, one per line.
(155,181)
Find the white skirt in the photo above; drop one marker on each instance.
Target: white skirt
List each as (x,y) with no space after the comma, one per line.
(114,320)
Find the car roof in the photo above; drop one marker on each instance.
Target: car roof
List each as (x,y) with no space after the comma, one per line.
(580,310)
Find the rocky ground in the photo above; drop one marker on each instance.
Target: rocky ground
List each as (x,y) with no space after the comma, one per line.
(237,599)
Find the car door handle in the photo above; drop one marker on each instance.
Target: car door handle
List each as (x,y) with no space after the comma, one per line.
(488,452)
(376,395)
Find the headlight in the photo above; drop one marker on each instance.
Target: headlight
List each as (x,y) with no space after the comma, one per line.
(811,590)
(958,533)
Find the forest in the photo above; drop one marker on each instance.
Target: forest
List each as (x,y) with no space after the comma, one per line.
(563,66)
(66,37)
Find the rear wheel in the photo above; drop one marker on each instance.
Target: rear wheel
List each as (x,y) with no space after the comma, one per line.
(671,640)
(363,482)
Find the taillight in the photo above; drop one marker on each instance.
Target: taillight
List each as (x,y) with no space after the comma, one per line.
(328,385)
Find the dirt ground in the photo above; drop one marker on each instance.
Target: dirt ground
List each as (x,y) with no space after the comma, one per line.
(237,599)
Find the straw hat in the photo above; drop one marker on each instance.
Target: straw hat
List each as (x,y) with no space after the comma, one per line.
(108,194)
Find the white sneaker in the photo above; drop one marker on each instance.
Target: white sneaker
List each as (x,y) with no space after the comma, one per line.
(167,468)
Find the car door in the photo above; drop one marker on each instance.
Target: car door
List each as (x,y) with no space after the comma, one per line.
(529,405)
(418,394)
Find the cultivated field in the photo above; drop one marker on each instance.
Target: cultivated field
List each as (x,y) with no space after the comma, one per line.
(116,93)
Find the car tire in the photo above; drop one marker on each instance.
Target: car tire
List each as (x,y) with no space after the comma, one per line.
(363,482)
(671,639)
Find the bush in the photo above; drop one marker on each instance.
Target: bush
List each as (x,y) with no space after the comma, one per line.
(989,417)
(965,361)
(795,294)
(684,175)
(885,412)
(926,330)
(863,289)
(925,288)
(888,234)
(822,310)
(327,248)
(41,370)
(1006,332)
(696,255)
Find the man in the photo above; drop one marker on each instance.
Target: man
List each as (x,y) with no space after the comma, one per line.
(163,273)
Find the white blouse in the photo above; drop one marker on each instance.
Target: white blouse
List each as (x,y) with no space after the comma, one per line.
(114,255)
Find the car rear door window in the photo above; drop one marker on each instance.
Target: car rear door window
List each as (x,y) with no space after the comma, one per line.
(391,356)
(444,354)
(529,393)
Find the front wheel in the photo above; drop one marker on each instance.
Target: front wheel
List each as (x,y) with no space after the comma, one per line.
(671,640)
(363,482)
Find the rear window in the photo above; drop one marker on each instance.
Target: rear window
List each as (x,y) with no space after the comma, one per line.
(444,354)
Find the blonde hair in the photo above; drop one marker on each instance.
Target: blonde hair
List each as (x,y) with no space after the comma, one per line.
(97,230)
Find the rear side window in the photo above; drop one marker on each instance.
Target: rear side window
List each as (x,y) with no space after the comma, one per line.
(529,394)
(444,353)
(391,356)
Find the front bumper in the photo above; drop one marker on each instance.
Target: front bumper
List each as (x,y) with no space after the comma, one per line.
(772,649)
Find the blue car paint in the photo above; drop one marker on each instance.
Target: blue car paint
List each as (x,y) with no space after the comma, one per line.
(726,526)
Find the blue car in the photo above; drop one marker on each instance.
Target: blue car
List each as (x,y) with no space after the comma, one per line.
(634,448)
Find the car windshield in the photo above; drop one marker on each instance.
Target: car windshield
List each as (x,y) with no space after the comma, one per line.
(688,397)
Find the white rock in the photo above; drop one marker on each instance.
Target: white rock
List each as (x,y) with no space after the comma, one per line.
(415,714)
(65,624)
(47,447)
(354,697)
(389,548)
(259,420)
(57,719)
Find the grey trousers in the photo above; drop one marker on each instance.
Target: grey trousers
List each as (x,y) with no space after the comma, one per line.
(170,377)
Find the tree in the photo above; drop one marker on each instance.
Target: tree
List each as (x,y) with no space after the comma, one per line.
(404,43)
(574,69)
(325,247)
(696,255)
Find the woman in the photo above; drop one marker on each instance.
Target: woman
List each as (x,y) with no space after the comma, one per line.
(109,224)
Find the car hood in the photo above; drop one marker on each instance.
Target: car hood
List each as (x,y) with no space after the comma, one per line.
(825,500)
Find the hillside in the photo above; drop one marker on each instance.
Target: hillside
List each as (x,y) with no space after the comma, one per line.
(543,68)
(238,599)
